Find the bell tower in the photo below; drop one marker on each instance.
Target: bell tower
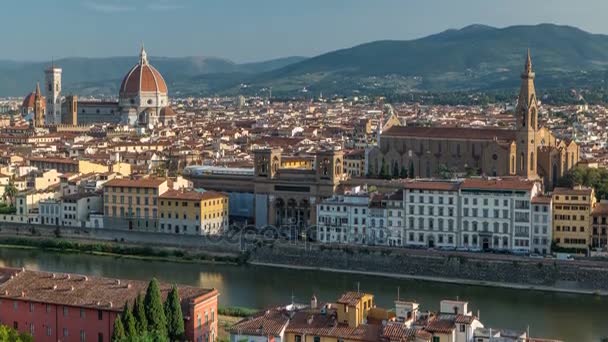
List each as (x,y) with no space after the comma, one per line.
(526,115)
(39,107)
(53,95)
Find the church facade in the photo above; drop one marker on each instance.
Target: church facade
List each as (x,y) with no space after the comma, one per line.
(527,151)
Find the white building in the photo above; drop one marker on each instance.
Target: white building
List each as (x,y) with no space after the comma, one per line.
(542,224)
(343,218)
(496,213)
(431,214)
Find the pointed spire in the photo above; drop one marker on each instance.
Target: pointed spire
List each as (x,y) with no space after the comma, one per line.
(528,68)
(143,57)
(37,92)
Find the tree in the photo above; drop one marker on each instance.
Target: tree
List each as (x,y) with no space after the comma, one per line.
(12,335)
(445,172)
(128,321)
(10,192)
(403,173)
(395,170)
(139,313)
(384,170)
(118,334)
(411,170)
(175,318)
(157,322)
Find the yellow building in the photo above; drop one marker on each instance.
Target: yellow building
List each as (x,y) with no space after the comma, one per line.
(571,217)
(85,167)
(192,212)
(353,307)
(133,202)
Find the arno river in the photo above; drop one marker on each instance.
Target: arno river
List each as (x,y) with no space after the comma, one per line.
(566,316)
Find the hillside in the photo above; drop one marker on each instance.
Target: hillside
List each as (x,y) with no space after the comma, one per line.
(476,57)
(102,76)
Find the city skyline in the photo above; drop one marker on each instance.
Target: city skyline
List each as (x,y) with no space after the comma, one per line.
(246,31)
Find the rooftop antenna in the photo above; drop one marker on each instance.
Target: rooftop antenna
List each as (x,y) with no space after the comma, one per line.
(292,298)
(457,299)
(398,288)
(358,287)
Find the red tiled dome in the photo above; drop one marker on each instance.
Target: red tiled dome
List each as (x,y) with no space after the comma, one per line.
(28,102)
(143,77)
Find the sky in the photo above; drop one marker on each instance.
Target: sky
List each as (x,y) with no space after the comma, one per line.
(255,30)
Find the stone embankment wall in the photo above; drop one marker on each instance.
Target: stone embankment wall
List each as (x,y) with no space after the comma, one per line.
(586,276)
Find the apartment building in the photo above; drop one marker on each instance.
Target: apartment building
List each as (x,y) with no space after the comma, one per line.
(71,307)
(343,218)
(431,214)
(496,214)
(473,214)
(542,228)
(193,212)
(133,203)
(572,217)
(599,225)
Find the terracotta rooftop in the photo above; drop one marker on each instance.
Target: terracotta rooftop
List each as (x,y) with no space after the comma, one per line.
(576,191)
(136,183)
(351,298)
(313,322)
(82,291)
(600,209)
(191,195)
(265,323)
(542,199)
(440,186)
(496,184)
(451,133)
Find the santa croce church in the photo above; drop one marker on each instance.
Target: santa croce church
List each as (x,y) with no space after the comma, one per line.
(526,151)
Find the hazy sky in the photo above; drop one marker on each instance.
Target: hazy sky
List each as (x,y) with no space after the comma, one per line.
(252,30)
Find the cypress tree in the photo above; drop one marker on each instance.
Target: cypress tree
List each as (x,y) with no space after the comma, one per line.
(153,303)
(128,322)
(384,170)
(175,318)
(139,313)
(411,171)
(119,330)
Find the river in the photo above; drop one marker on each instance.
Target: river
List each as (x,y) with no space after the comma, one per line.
(569,317)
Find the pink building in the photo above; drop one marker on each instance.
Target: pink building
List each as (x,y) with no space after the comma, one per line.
(69,307)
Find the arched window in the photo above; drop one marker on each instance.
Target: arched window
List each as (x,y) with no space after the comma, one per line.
(512,164)
(532,161)
(533,118)
(522,161)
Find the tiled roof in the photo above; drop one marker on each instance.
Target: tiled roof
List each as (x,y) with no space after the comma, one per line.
(83,291)
(191,195)
(600,209)
(136,183)
(422,185)
(266,323)
(451,133)
(496,184)
(576,191)
(312,322)
(351,298)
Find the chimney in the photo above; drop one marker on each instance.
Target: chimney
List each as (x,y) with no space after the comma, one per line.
(85,278)
(22,293)
(310,319)
(313,302)
(54,287)
(117,281)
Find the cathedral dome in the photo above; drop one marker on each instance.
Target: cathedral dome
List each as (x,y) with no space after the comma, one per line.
(142,78)
(29,102)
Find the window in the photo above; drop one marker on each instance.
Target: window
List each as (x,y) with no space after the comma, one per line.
(317,339)
(49,331)
(65,311)
(82,336)
(82,313)
(462,328)
(99,315)
(100,337)
(298,338)
(65,332)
